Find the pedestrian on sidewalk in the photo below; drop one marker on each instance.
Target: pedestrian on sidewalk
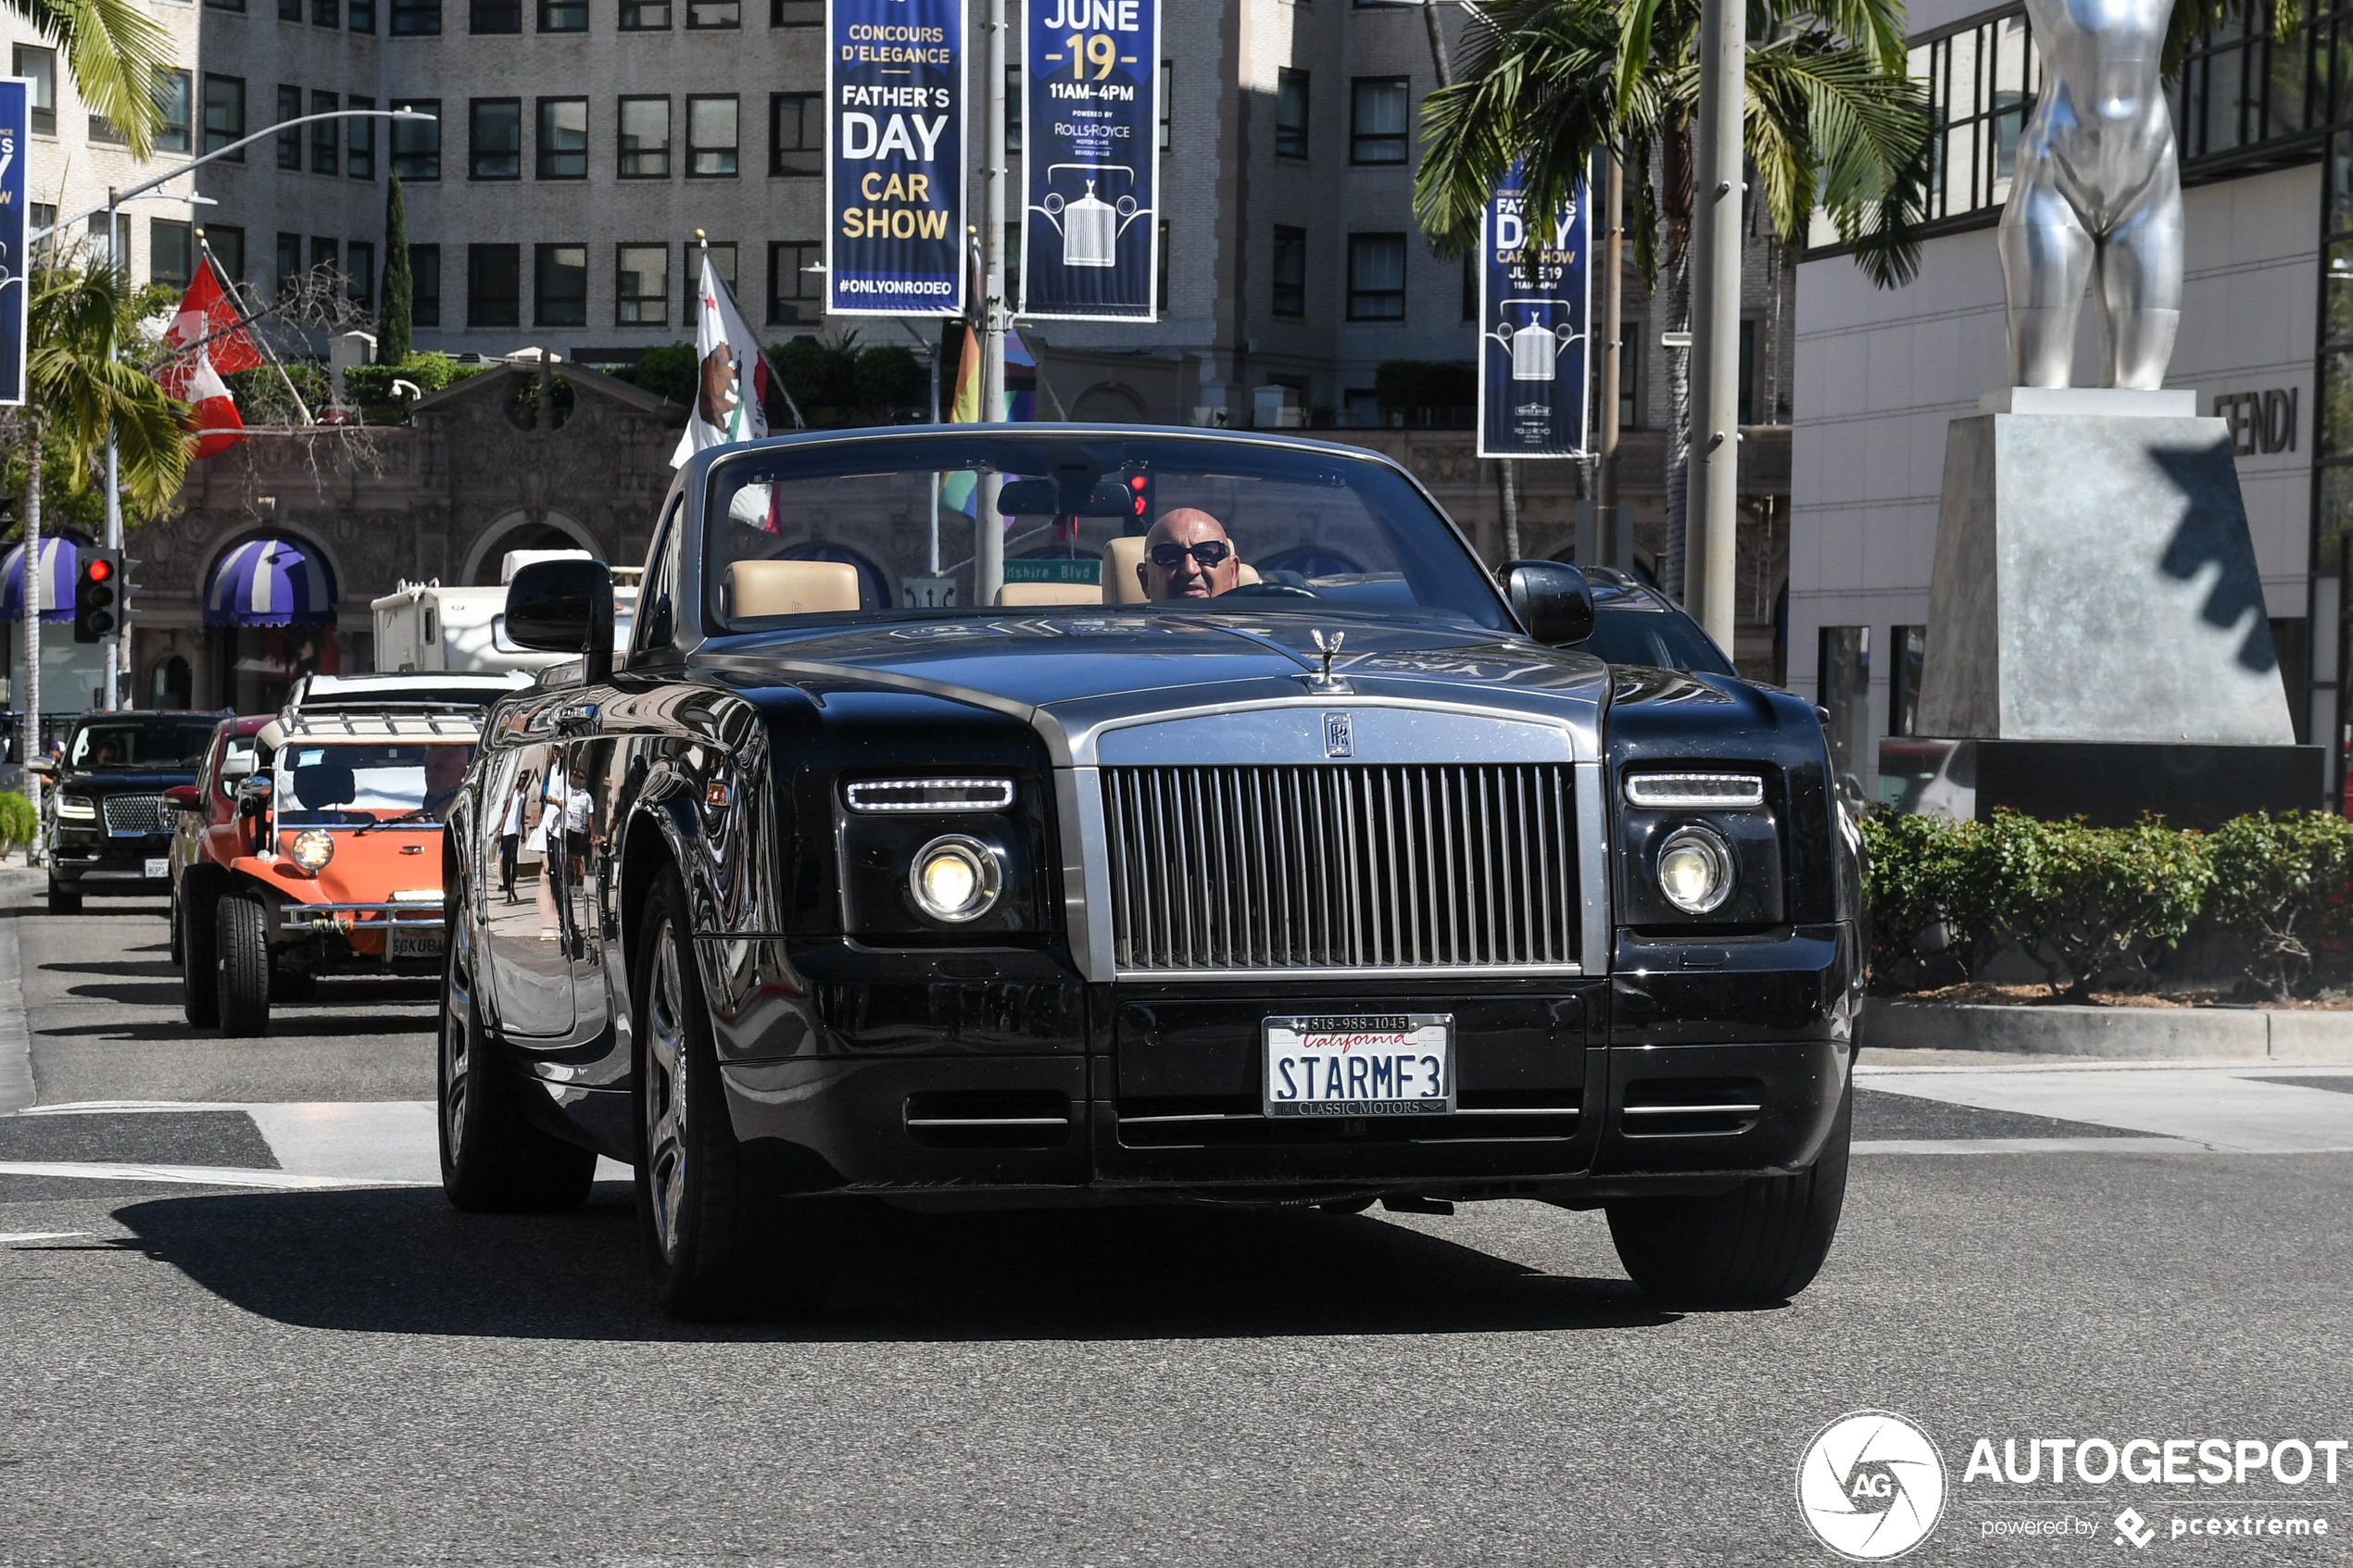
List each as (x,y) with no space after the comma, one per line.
(511,840)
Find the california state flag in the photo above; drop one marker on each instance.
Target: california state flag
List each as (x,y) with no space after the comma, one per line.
(724,409)
(208,341)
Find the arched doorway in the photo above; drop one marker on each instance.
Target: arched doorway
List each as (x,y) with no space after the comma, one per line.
(269,618)
(172,683)
(516,531)
(1108,404)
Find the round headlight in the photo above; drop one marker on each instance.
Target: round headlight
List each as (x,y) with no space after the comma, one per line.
(955,879)
(313,849)
(1694,870)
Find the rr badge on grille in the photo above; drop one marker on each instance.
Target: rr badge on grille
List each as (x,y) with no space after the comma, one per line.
(1337,740)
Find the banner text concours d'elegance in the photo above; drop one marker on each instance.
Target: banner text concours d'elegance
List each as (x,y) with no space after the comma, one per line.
(895,78)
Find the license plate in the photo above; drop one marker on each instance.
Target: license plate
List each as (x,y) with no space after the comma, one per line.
(416,942)
(159,869)
(1360,1064)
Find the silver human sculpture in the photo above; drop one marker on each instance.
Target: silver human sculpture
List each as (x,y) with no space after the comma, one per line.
(2097,198)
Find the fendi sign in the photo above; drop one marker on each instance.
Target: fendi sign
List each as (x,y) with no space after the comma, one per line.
(2259,421)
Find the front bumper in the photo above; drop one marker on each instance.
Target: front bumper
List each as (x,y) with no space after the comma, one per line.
(98,861)
(1681,1080)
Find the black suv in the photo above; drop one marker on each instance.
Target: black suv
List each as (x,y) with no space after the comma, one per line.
(104,819)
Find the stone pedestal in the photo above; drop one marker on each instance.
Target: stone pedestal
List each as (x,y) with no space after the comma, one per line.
(2096,620)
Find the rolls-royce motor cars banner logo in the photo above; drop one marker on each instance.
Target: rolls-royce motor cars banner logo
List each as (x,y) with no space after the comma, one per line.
(1090,160)
(895,157)
(1535,316)
(15,285)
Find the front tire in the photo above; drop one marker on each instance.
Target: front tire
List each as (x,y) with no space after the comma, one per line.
(718,1250)
(241,961)
(493,1158)
(199,907)
(1759,1244)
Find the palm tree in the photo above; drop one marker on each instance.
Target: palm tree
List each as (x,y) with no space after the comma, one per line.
(77,390)
(1831,120)
(117,55)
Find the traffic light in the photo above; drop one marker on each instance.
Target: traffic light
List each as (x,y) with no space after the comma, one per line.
(1139,502)
(96,595)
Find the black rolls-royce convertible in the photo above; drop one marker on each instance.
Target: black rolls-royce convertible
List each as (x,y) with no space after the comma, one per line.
(1253,843)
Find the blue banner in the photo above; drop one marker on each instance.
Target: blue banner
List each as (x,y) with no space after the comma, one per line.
(895,157)
(1534,324)
(16,287)
(1090,160)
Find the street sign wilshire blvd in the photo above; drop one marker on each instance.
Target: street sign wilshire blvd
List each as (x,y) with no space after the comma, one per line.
(16,284)
(1090,160)
(1535,314)
(895,157)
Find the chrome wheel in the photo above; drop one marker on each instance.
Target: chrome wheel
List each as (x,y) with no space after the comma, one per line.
(457,1059)
(665,1090)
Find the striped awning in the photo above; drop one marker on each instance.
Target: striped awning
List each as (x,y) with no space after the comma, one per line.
(60,563)
(270,583)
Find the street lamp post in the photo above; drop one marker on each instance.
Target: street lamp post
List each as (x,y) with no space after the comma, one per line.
(111,696)
(988,546)
(1710,532)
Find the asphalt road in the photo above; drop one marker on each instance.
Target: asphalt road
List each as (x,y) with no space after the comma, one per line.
(226,1335)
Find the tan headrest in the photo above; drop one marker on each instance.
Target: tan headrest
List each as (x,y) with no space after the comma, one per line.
(1120,558)
(756,588)
(1050,593)
(1124,555)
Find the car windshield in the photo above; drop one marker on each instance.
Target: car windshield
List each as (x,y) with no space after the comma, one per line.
(140,743)
(355,784)
(854,529)
(1629,630)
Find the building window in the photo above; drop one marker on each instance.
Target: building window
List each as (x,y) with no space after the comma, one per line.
(1910,645)
(289,139)
(425,285)
(227,243)
(363,15)
(289,11)
(172,252)
(796,135)
(326,139)
(1629,375)
(106,131)
(795,294)
(1375,277)
(494,139)
(360,272)
(563,15)
(2240,87)
(494,285)
(1167,100)
(326,256)
(1012,111)
(224,114)
(1291,272)
(1748,414)
(796,13)
(326,13)
(714,13)
(360,140)
(563,138)
(1290,114)
(238,5)
(641,293)
(645,138)
(1470,286)
(289,262)
(722,262)
(711,137)
(416,18)
(494,16)
(416,144)
(40,66)
(1378,112)
(645,16)
(1160,279)
(560,286)
(175,95)
(1981,82)
(110,247)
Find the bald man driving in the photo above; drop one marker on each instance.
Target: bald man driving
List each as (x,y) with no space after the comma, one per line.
(1186,556)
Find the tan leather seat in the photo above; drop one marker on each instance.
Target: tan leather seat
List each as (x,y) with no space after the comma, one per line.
(751,589)
(1050,593)
(1244,574)
(1124,555)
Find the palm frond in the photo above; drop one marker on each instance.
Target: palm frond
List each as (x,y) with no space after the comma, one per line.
(78,388)
(117,57)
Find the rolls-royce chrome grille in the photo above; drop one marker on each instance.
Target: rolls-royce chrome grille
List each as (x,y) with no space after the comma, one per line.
(1345,866)
(136,813)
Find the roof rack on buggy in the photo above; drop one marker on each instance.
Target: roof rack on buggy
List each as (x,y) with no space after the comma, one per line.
(406,723)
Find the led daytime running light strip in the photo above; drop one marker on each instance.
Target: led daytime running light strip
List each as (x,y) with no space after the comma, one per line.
(931,794)
(1695,792)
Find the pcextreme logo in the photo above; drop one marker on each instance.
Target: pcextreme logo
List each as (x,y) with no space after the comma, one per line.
(1870,1486)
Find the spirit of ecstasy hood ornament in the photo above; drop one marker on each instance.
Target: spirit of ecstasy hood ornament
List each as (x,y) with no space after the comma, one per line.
(1324,680)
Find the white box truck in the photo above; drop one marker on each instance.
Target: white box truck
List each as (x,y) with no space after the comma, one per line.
(425,626)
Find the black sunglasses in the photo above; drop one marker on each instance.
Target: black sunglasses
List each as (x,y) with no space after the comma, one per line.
(1211,553)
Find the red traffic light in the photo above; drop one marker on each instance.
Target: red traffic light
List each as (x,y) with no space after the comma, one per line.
(99,570)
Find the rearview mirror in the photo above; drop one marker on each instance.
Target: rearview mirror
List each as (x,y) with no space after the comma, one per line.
(564,607)
(1552,599)
(1044,497)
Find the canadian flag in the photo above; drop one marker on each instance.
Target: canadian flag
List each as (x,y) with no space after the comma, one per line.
(208,341)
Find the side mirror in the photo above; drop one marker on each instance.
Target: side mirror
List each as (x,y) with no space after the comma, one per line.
(253,796)
(238,765)
(1552,599)
(44,765)
(184,797)
(564,607)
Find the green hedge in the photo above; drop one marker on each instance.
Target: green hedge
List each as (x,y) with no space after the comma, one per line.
(2082,901)
(371,385)
(19,823)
